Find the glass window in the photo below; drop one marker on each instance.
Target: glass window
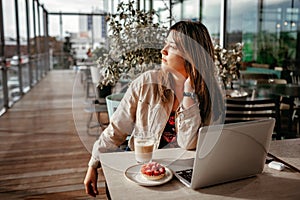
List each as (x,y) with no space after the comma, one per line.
(22,22)
(9,18)
(268,30)
(211,17)
(191,9)
(242,25)
(163,10)
(242,17)
(176,11)
(280,26)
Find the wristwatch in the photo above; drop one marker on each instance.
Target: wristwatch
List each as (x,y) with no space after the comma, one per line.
(191,95)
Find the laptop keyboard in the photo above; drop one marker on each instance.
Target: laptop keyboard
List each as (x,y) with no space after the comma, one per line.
(186,174)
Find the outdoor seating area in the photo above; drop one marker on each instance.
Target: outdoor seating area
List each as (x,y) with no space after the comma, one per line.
(259,96)
(51,154)
(152,99)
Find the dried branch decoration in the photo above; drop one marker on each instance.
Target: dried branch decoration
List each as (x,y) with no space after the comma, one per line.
(135,42)
(228,62)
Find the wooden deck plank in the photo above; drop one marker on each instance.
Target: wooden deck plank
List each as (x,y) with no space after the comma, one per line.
(43,150)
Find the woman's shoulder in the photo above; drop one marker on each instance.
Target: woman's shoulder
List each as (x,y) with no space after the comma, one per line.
(150,75)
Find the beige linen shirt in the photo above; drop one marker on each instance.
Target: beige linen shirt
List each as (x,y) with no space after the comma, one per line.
(142,106)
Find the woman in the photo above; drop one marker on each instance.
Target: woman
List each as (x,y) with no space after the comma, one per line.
(172,102)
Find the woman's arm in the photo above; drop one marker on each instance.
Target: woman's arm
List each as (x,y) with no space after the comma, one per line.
(188,122)
(120,126)
(188,118)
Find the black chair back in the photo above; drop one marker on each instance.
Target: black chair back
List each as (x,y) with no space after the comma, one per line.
(241,110)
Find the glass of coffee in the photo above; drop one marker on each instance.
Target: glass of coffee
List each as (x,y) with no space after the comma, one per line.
(143,146)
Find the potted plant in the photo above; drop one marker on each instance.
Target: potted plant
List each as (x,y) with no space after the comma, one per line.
(228,63)
(135,40)
(102,90)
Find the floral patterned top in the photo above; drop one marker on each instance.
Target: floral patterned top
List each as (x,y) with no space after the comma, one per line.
(168,138)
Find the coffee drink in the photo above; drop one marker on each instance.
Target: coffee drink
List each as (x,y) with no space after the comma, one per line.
(143,148)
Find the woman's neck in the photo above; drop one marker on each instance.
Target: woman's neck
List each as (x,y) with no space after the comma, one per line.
(179,77)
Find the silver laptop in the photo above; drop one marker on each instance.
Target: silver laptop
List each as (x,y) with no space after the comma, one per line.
(226,153)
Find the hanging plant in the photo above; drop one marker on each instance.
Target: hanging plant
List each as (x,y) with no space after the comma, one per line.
(135,41)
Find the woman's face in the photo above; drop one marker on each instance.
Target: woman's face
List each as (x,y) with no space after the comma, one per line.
(171,56)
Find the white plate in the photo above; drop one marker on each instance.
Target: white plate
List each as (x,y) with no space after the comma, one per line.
(237,94)
(133,174)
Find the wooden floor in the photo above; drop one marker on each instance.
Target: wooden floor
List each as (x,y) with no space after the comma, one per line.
(44,147)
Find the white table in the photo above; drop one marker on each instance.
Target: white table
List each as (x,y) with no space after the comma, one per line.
(287,151)
(268,185)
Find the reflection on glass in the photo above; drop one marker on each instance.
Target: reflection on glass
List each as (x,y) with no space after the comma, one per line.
(211,17)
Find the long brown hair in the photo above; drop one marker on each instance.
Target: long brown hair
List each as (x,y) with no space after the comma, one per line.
(193,40)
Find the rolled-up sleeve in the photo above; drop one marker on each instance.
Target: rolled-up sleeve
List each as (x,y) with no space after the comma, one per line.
(188,122)
(94,163)
(121,125)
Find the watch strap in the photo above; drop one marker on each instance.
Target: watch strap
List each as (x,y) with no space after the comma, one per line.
(190,94)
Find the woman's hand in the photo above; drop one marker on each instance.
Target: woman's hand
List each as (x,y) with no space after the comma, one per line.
(187,85)
(90,182)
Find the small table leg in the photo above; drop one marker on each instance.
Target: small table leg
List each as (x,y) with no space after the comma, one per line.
(107,192)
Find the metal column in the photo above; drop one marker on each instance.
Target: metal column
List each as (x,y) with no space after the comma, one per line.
(3,60)
(28,42)
(18,48)
(46,34)
(40,67)
(35,40)
(223,23)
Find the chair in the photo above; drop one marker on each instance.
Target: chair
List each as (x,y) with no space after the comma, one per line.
(272,80)
(257,76)
(96,106)
(264,88)
(295,76)
(241,110)
(251,81)
(86,80)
